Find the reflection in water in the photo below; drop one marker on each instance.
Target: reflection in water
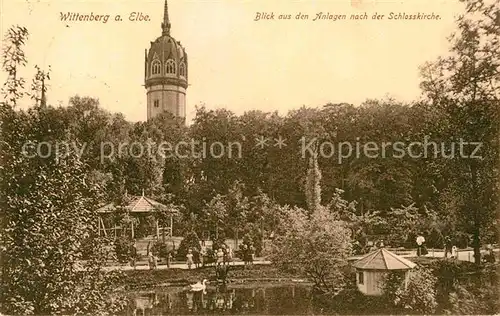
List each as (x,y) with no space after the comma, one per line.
(289,299)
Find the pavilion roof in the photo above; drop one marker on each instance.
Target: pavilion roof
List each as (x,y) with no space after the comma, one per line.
(383,259)
(136,204)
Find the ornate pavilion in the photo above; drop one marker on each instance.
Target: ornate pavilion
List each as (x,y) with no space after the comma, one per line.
(137,208)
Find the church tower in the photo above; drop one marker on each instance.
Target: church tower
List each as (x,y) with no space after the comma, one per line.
(166,73)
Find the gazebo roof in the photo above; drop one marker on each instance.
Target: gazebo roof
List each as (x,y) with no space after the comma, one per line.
(136,204)
(383,259)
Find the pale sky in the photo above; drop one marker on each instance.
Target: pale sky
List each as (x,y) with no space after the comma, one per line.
(235,62)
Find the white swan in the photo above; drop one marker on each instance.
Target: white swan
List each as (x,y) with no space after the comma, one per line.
(198,286)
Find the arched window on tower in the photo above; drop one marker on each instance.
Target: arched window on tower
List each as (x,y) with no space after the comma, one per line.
(155,67)
(170,67)
(182,69)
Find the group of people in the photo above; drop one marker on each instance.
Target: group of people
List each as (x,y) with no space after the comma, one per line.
(248,253)
(449,248)
(151,254)
(222,255)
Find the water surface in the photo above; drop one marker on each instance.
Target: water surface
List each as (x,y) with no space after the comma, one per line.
(291,299)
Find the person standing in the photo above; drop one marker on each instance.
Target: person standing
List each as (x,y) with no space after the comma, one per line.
(220,256)
(152,246)
(244,253)
(150,261)
(133,254)
(203,253)
(155,262)
(189,258)
(196,258)
(229,254)
(251,252)
(169,259)
(420,244)
(447,246)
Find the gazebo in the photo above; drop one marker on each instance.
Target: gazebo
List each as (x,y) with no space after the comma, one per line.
(372,269)
(135,205)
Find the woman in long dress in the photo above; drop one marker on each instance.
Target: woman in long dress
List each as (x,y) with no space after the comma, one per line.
(420,244)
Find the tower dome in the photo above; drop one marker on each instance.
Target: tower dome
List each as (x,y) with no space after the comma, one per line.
(166,73)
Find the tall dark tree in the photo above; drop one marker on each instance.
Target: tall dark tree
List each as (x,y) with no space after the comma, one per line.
(465,86)
(52,259)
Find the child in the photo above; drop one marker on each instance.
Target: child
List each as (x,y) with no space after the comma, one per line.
(189,258)
(251,251)
(155,261)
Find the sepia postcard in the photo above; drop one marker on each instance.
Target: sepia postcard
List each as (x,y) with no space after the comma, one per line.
(286,157)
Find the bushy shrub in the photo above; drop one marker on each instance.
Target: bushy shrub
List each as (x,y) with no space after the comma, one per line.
(192,241)
(350,301)
(419,294)
(124,249)
(316,246)
(480,301)
(51,257)
(162,249)
(253,236)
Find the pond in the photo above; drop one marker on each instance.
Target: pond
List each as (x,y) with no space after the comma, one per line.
(291,299)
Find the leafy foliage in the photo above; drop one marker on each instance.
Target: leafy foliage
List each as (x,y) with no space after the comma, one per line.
(317,246)
(48,211)
(124,249)
(190,241)
(419,294)
(464,87)
(478,301)
(162,249)
(13,57)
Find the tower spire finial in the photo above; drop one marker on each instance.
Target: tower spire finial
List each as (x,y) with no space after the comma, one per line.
(165,26)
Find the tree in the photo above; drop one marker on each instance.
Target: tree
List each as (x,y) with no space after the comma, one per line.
(261,213)
(13,57)
(39,86)
(237,207)
(52,258)
(465,86)
(215,213)
(49,215)
(317,247)
(190,241)
(164,215)
(312,185)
